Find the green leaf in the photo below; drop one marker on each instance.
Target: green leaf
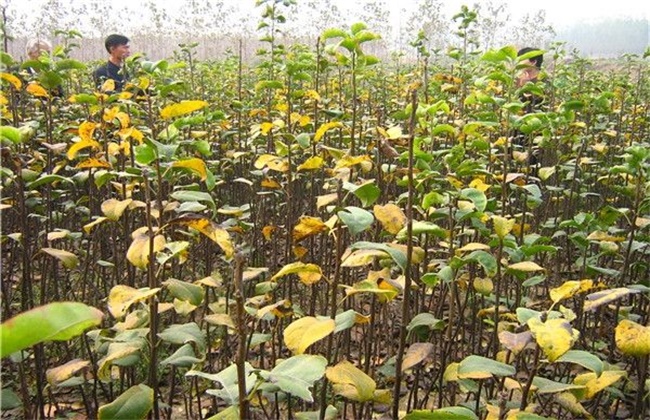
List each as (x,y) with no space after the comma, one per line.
(447,413)
(297,374)
(229,382)
(183,357)
(9,134)
(48,179)
(547,386)
(368,193)
(356,219)
(9,400)
(478,367)
(198,196)
(584,359)
(184,333)
(58,321)
(185,291)
(475,196)
(70,64)
(134,403)
(426,321)
(486,260)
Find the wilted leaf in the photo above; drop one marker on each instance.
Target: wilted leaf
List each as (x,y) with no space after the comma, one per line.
(569,401)
(210,229)
(632,339)
(594,300)
(391,217)
(416,353)
(305,331)
(308,226)
(515,342)
(64,372)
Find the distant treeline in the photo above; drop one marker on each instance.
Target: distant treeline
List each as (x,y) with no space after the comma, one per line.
(608,38)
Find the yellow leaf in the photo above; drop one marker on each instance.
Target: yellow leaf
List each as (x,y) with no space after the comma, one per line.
(36,90)
(270,183)
(220,319)
(632,339)
(473,246)
(502,226)
(279,309)
(391,217)
(569,401)
(121,297)
(308,273)
(138,252)
(478,184)
(67,258)
(308,226)
(124,119)
(182,108)
(349,161)
(555,336)
(93,163)
(525,266)
(594,384)
(361,257)
(325,128)
(305,331)
(351,382)
(314,162)
(266,127)
(89,226)
(59,234)
(66,371)
(483,285)
(569,289)
(113,209)
(210,229)
(193,164)
(15,82)
(108,86)
(80,145)
(119,351)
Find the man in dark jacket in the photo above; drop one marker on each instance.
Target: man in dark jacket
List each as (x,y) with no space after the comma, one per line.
(118,49)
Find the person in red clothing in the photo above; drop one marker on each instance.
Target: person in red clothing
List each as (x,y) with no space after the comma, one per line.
(118,49)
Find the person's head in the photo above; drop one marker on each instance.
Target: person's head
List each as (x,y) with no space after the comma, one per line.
(536,60)
(117,46)
(35,47)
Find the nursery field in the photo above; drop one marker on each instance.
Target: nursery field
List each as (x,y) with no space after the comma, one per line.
(322,234)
